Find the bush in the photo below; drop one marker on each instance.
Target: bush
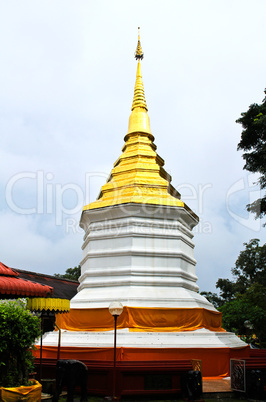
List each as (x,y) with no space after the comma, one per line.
(18,331)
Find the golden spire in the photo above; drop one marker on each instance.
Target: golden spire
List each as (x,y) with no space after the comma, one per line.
(138,175)
(139,53)
(139,119)
(139,96)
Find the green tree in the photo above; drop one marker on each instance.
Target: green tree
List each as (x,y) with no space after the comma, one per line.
(227,289)
(71,273)
(243,299)
(250,266)
(253,143)
(247,308)
(18,332)
(213,298)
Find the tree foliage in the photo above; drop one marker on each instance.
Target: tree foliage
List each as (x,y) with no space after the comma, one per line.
(243,299)
(248,307)
(253,143)
(250,268)
(213,298)
(71,273)
(18,332)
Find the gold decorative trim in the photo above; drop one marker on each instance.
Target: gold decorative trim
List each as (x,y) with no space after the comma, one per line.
(48,304)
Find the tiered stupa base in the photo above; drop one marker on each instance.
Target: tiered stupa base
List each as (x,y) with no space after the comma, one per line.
(213,349)
(142,257)
(153,334)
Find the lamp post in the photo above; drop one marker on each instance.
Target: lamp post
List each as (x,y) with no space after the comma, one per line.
(115,309)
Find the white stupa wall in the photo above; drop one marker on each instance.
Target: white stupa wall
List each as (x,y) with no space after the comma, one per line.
(141,255)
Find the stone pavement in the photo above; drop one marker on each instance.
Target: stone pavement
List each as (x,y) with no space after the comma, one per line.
(216,385)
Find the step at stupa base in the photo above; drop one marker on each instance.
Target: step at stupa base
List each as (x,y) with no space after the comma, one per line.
(213,349)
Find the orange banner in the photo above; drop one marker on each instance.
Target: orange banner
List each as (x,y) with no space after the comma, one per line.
(142,319)
(215,361)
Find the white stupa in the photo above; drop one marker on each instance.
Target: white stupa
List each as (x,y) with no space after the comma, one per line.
(138,250)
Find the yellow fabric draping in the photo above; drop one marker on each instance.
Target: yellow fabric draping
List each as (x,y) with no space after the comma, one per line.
(31,393)
(142,319)
(215,361)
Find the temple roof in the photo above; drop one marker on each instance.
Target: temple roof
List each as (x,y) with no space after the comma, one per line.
(138,175)
(12,286)
(62,288)
(16,283)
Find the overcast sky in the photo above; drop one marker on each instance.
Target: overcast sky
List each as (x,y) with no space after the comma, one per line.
(67,74)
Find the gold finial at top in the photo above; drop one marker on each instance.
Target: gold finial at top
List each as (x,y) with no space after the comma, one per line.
(139,53)
(139,119)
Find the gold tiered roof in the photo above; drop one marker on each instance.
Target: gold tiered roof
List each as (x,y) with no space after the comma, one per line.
(138,175)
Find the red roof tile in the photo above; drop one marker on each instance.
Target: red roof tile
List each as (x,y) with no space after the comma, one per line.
(12,285)
(20,287)
(6,271)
